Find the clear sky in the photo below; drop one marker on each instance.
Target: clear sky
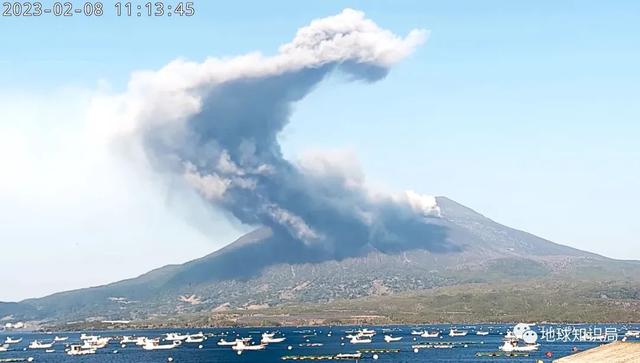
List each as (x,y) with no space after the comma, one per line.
(524,111)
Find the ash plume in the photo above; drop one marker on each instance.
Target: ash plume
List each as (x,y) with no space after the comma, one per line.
(214,126)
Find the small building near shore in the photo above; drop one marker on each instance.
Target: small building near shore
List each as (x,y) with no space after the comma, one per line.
(616,352)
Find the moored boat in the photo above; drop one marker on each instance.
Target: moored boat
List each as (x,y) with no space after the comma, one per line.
(155,345)
(241,346)
(428,334)
(458,333)
(77,349)
(390,339)
(268,338)
(360,340)
(39,345)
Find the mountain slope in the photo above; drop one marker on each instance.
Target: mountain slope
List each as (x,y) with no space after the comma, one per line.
(260,270)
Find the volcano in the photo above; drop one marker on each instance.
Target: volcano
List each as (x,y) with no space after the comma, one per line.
(261,269)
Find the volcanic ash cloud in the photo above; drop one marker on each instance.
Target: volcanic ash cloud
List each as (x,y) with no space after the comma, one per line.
(214,126)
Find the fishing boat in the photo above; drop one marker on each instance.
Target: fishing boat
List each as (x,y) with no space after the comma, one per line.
(39,345)
(458,333)
(77,349)
(194,339)
(628,334)
(270,338)
(241,346)
(96,343)
(512,346)
(390,339)
(10,340)
(511,342)
(140,341)
(128,339)
(175,337)
(154,345)
(360,340)
(427,334)
(224,342)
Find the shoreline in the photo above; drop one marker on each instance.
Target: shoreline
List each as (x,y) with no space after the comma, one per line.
(112,327)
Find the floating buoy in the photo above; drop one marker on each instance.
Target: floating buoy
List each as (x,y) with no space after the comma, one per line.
(239,352)
(115,351)
(415,350)
(375,357)
(30,359)
(200,346)
(170,359)
(289,347)
(548,354)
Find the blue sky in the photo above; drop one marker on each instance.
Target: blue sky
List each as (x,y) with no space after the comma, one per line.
(522,111)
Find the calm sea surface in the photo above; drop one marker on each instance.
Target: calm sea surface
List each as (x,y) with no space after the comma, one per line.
(465,347)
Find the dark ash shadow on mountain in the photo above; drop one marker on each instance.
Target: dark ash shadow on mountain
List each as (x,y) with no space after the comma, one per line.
(251,254)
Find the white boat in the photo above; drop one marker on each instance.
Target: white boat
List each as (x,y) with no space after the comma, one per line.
(240,346)
(155,345)
(143,340)
(270,338)
(390,339)
(224,342)
(198,335)
(482,333)
(458,333)
(628,334)
(194,339)
(128,339)
(175,337)
(417,332)
(512,346)
(366,331)
(60,339)
(96,343)
(39,345)
(360,340)
(427,334)
(80,350)
(509,336)
(9,340)
(84,336)
(4,347)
